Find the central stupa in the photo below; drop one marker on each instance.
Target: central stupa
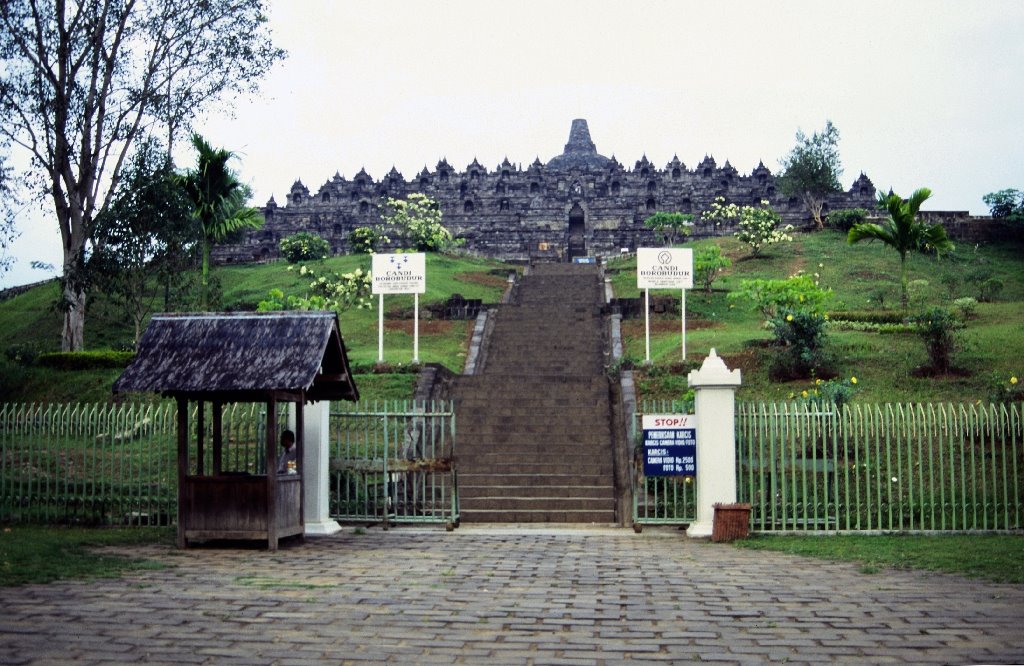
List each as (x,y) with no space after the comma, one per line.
(580,152)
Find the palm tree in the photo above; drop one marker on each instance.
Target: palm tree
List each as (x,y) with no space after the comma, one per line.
(903,232)
(218,200)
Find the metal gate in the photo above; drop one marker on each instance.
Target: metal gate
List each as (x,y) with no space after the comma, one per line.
(393,462)
(660,500)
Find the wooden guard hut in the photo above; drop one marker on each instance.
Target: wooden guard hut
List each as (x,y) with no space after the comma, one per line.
(218,358)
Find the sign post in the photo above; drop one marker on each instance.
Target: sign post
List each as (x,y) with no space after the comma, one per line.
(670,445)
(663,268)
(399,274)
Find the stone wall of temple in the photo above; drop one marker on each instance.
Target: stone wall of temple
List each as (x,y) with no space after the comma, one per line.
(577,202)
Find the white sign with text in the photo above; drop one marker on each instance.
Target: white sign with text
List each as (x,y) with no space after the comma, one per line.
(664,268)
(399,273)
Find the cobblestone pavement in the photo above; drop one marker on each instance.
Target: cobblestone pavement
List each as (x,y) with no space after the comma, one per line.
(509,595)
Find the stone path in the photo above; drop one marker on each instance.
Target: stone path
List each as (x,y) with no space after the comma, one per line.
(509,595)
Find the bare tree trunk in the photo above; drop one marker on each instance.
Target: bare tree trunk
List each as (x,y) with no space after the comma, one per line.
(73,333)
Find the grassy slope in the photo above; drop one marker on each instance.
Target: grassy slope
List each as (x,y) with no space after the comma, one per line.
(30,321)
(883,364)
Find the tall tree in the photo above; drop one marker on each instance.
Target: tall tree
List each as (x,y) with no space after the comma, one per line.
(903,232)
(218,201)
(1006,205)
(81,81)
(143,235)
(811,170)
(7,231)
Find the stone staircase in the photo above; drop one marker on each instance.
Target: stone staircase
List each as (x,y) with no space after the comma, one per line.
(535,428)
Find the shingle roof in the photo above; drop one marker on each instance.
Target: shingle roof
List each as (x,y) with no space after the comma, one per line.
(242,355)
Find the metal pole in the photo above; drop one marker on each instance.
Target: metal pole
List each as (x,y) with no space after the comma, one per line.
(380,328)
(416,327)
(682,311)
(647,324)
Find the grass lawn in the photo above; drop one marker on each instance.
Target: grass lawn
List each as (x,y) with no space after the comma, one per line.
(998,558)
(30,554)
(861,277)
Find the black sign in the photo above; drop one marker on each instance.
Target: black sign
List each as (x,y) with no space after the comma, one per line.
(670,452)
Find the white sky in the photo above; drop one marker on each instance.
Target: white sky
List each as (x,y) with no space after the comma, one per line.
(924,92)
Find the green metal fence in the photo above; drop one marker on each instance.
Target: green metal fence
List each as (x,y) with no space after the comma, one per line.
(102,464)
(394,463)
(88,463)
(660,500)
(915,467)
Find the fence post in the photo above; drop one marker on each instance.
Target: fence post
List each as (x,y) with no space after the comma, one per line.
(316,447)
(714,387)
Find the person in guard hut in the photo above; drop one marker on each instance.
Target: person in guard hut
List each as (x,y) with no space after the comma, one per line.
(286,463)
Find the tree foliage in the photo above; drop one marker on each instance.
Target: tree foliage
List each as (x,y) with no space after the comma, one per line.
(903,232)
(218,201)
(334,291)
(304,246)
(1006,205)
(143,237)
(759,226)
(671,228)
(708,264)
(417,221)
(82,81)
(812,169)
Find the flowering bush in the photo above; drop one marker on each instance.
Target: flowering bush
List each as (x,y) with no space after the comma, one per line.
(758,225)
(417,220)
(304,246)
(836,392)
(1006,390)
(366,240)
(338,292)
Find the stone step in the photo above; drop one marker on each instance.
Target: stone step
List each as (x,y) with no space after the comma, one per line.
(499,493)
(534,480)
(540,515)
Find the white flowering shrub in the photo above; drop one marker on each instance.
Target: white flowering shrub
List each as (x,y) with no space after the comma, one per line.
(338,292)
(417,221)
(304,246)
(759,226)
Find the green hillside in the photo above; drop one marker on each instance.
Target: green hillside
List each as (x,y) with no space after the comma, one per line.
(863,278)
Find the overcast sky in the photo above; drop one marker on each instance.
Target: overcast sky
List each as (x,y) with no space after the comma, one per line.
(924,93)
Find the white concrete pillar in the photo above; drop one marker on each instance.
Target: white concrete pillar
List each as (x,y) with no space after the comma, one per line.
(315,462)
(714,387)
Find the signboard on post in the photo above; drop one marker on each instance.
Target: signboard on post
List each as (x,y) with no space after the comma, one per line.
(398,274)
(670,445)
(663,268)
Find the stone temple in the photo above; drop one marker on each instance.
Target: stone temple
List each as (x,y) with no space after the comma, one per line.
(578,203)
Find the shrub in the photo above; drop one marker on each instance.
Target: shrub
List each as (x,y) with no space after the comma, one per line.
(989,290)
(365,240)
(304,246)
(1004,389)
(708,263)
(758,225)
(844,218)
(939,330)
(85,360)
(802,334)
(967,306)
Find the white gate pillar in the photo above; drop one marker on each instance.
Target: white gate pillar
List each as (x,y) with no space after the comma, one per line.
(714,387)
(315,462)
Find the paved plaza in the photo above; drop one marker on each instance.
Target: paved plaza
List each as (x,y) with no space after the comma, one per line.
(485,595)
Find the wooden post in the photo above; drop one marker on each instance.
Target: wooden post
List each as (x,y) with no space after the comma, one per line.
(182,467)
(300,443)
(218,438)
(200,435)
(272,472)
